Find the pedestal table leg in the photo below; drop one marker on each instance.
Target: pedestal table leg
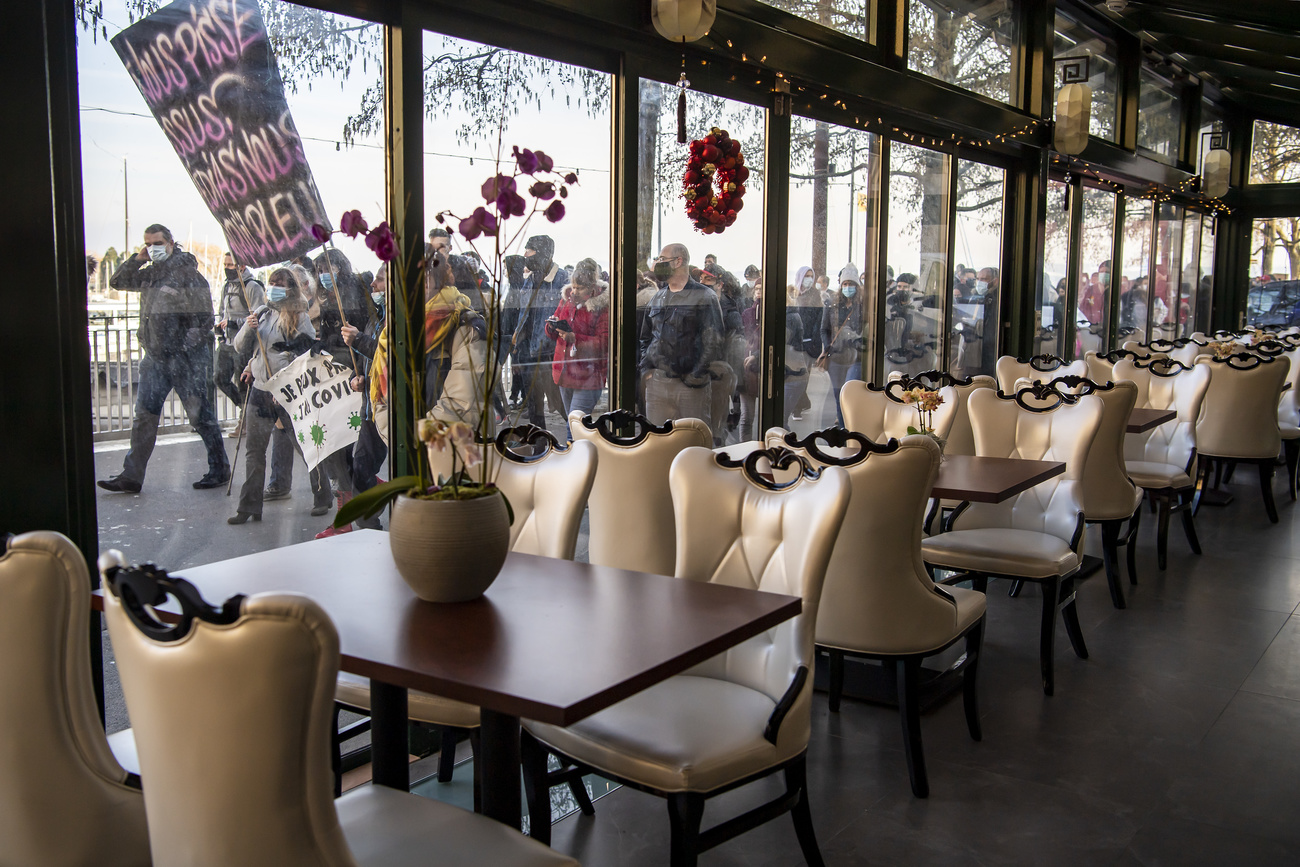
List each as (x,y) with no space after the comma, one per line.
(499,757)
(389,750)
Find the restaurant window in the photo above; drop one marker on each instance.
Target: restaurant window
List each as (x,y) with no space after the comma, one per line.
(135,184)
(1049,317)
(1274,292)
(831,259)
(1184,318)
(1074,40)
(967,44)
(1166,272)
(1274,153)
(851,17)
(973,308)
(917,257)
(1134,281)
(1159,115)
(1092,313)
(1205,281)
(697,346)
(537,104)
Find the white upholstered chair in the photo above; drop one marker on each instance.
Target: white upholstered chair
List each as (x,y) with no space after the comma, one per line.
(1036,535)
(878,412)
(878,601)
(65,800)
(745,713)
(631,516)
(1288,421)
(1037,369)
(1239,423)
(232,712)
(547,484)
(1162,461)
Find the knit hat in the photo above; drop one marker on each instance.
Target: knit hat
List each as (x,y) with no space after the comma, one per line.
(849,274)
(541,244)
(585,273)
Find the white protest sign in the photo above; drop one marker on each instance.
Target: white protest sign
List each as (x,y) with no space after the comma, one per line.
(318,396)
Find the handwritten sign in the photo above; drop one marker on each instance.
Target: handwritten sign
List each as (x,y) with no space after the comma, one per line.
(207,72)
(318,396)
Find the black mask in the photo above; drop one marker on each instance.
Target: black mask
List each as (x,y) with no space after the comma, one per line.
(539,265)
(232,274)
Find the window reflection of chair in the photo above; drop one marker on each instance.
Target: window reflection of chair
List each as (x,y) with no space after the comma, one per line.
(631,514)
(547,485)
(1036,369)
(65,798)
(232,710)
(745,713)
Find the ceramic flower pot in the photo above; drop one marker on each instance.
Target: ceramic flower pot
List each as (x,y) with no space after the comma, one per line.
(449,550)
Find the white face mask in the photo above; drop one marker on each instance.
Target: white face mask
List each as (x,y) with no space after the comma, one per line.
(981,286)
(158,252)
(807,282)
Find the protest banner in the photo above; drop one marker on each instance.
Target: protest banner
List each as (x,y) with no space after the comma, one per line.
(208,74)
(318,396)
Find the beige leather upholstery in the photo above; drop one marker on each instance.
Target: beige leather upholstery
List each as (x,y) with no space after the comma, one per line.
(1240,415)
(1288,405)
(234,724)
(1100,368)
(64,801)
(1164,457)
(877,416)
(1030,534)
(961,437)
(631,515)
(1189,352)
(1141,350)
(704,729)
(1108,493)
(1009,369)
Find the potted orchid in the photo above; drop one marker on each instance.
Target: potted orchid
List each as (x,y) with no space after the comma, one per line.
(925,401)
(450,526)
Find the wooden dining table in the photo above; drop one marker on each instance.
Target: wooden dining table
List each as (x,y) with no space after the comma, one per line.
(551,640)
(1144,419)
(990,480)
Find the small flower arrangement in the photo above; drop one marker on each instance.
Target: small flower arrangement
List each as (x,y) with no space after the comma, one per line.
(1223,348)
(926,402)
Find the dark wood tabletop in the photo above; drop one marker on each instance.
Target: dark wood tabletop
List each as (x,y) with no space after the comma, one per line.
(990,480)
(552,640)
(1142,419)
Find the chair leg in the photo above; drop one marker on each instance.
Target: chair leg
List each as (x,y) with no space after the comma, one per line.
(1189,525)
(1014,590)
(970,680)
(979,582)
(1162,533)
(933,513)
(1266,488)
(1110,559)
(1292,450)
(579,792)
(336,753)
(836,680)
(796,780)
(685,813)
(1228,473)
(1130,545)
(1047,637)
(447,755)
(1070,614)
(478,770)
(537,793)
(909,711)
(1202,476)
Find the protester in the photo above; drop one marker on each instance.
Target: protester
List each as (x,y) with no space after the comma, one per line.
(241,294)
(580,329)
(543,283)
(842,334)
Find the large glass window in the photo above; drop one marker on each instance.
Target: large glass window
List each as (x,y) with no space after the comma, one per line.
(1274,295)
(1159,115)
(1050,317)
(554,271)
(973,315)
(1075,40)
(852,17)
(834,188)
(699,345)
(1184,317)
(1165,276)
(1274,154)
(1096,247)
(1134,283)
(967,43)
(1205,283)
(917,256)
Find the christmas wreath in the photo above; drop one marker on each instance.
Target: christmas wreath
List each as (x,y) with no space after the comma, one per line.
(715,159)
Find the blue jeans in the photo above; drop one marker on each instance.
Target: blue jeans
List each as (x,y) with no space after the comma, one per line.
(190,375)
(840,374)
(582,399)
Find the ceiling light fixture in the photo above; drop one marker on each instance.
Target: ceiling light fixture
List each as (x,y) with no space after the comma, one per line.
(1117,6)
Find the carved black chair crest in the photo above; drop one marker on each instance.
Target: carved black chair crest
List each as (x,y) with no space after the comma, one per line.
(836,437)
(1044,363)
(1163,366)
(779,457)
(1245,360)
(609,424)
(509,439)
(1271,347)
(145,588)
(1117,355)
(934,379)
(1049,396)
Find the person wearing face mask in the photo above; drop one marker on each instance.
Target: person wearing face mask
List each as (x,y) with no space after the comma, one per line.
(241,294)
(842,334)
(176,334)
(808,302)
(977,351)
(544,280)
(580,329)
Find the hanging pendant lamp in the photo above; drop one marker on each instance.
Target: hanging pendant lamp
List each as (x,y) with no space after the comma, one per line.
(683,20)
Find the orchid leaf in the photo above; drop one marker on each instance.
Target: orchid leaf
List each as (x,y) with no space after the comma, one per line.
(369,503)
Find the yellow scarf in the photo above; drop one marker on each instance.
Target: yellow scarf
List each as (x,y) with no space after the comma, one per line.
(442,315)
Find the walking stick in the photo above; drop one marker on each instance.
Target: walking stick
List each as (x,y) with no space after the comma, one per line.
(338,299)
(230,483)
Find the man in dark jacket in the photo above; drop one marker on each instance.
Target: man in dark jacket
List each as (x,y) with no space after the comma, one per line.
(538,300)
(176,333)
(241,294)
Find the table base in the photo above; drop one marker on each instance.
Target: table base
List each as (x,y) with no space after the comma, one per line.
(389,750)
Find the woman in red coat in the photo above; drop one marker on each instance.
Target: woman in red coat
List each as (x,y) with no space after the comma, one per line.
(580,328)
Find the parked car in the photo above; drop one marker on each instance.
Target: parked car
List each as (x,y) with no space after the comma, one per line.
(1274,304)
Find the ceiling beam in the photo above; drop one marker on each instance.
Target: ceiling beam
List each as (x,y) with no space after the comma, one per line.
(1281,14)
(1193,48)
(1160,24)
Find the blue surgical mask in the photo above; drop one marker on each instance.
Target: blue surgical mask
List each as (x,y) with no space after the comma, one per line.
(326,281)
(849,291)
(981,286)
(158,252)
(276,294)
(378,298)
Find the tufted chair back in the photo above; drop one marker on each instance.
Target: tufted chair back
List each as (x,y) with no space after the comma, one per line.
(547,490)
(961,441)
(1108,493)
(232,717)
(64,799)
(1040,368)
(1007,428)
(1240,415)
(631,517)
(735,528)
(1166,386)
(1142,350)
(1189,352)
(878,413)
(1288,410)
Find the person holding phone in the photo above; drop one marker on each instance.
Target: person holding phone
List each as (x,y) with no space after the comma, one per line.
(580,329)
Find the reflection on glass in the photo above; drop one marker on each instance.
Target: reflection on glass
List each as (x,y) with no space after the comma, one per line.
(699,320)
(977,245)
(552,322)
(1074,40)
(1274,295)
(1134,291)
(1190,280)
(1168,266)
(852,17)
(1159,115)
(917,257)
(1050,324)
(1092,309)
(1274,153)
(1205,286)
(834,183)
(967,43)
